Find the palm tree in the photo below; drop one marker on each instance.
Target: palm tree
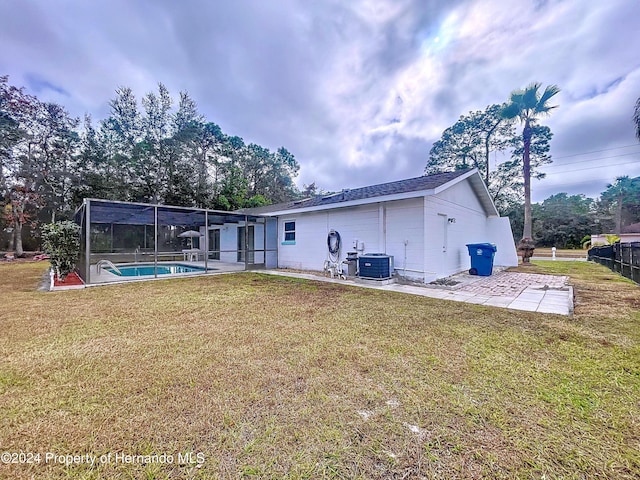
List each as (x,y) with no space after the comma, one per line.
(527,105)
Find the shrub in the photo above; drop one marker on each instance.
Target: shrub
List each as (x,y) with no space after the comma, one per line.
(612,238)
(61,241)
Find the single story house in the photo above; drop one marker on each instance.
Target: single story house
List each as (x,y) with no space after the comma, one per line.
(423,222)
(628,234)
(624,238)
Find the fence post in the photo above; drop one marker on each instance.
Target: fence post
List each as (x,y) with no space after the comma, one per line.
(635,261)
(633,264)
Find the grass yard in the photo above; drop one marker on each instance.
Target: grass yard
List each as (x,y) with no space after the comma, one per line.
(269,377)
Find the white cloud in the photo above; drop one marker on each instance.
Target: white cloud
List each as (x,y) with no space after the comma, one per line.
(358,91)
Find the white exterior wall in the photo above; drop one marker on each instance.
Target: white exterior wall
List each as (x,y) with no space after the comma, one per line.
(379,228)
(453,218)
(258,243)
(229,241)
(499,232)
(310,249)
(272,243)
(436,229)
(405,222)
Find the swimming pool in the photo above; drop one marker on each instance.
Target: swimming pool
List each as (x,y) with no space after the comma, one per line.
(142,269)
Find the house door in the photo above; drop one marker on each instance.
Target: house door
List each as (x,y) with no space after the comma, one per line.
(214,244)
(246,243)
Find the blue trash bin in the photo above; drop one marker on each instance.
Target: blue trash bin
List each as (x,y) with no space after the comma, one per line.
(481,258)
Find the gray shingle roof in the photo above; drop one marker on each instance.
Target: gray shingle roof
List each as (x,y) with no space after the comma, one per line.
(427,182)
(633,228)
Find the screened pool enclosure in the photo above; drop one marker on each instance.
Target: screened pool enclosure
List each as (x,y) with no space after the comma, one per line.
(125,241)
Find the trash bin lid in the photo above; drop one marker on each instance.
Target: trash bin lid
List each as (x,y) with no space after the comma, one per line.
(484,246)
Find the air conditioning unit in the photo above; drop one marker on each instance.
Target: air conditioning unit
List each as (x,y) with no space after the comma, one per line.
(377,266)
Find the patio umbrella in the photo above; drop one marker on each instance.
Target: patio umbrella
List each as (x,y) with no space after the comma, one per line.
(190,234)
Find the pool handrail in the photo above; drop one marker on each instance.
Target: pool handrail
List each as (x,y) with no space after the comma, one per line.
(106,263)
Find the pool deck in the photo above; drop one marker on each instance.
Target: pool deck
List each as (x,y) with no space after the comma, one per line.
(103,276)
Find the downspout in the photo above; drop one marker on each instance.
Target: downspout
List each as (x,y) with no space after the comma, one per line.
(382,228)
(425,236)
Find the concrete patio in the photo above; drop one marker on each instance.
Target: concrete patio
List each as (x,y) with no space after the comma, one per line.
(513,290)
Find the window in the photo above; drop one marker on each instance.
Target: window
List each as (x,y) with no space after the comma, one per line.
(289,233)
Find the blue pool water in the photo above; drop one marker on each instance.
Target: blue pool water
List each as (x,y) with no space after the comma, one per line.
(148,269)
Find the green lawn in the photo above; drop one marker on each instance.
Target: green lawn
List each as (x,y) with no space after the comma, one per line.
(271,377)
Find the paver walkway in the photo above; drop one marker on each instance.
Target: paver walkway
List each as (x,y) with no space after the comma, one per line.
(511,283)
(513,290)
(519,291)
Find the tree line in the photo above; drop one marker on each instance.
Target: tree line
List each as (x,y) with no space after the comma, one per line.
(155,150)
(158,150)
(561,220)
(568,221)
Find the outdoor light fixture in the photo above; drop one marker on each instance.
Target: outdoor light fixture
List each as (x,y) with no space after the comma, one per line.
(452,220)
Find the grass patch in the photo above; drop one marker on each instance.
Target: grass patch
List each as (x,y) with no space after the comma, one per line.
(271,377)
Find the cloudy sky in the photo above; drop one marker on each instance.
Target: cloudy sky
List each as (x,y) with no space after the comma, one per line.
(357,90)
